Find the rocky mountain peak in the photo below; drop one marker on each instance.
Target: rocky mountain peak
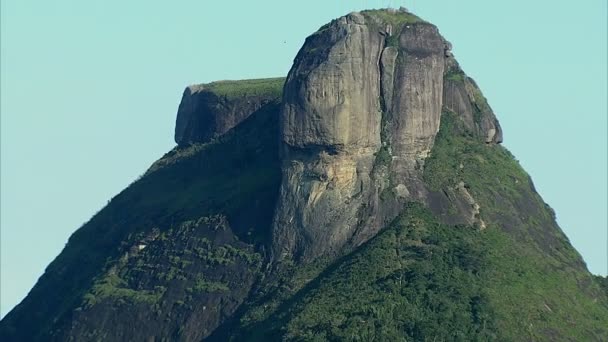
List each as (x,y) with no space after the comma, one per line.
(363,197)
(361,108)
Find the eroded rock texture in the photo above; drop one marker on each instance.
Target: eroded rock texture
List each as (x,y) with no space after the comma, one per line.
(361,109)
(330,127)
(417,93)
(332,92)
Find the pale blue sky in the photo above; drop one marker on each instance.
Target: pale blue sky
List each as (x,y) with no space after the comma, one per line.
(89,92)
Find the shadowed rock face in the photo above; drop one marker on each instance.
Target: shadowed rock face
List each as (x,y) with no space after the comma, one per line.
(361,109)
(207,111)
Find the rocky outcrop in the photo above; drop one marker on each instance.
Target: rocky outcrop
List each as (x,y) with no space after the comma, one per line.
(361,109)
(207,111)
(462,96)
(331,96)
(330,128)
(366,87)
(192,250)
(417,93)
(412,117)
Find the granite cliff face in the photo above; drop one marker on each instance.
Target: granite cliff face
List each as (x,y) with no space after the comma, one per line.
(207,111)
(330,126)
(364,197)
(361,109)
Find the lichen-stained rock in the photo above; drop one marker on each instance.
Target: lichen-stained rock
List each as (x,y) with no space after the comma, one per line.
(207,111)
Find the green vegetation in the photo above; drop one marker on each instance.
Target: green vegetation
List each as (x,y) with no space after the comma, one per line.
(212,179)
(455,75)
(382,167)
(202,285)
(419,279)
(603,282)
(194,229)
(383,156)
(480,104)
(232,89)
(237,177)
(534,273)
(392,40)
(176,155)
(397,19)
(483,166)
(225,255)
(287,279)
(113,287)
(177,255)
(535,299)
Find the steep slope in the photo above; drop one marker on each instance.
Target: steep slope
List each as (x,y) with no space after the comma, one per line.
(420,279)
(172,255)
(372,201)
(361,109)
(484,260)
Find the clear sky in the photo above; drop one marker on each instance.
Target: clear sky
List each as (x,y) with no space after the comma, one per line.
(89,92)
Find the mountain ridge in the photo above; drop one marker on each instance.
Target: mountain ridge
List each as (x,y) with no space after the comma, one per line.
(371,200)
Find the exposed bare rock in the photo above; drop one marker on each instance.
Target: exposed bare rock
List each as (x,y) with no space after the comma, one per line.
(361,110)
(331,129)
(319,202)
(462,96)
(418,87)
(472,207)
(353,91)
(207,111)
(332,91)
(388,61)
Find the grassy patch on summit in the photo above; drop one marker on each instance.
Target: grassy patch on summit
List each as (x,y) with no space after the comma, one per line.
(395,18)
(242,88)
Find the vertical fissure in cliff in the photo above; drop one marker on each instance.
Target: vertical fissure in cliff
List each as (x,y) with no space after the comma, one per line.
(383,108)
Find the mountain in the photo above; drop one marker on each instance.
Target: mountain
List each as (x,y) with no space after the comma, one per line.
(364,197)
